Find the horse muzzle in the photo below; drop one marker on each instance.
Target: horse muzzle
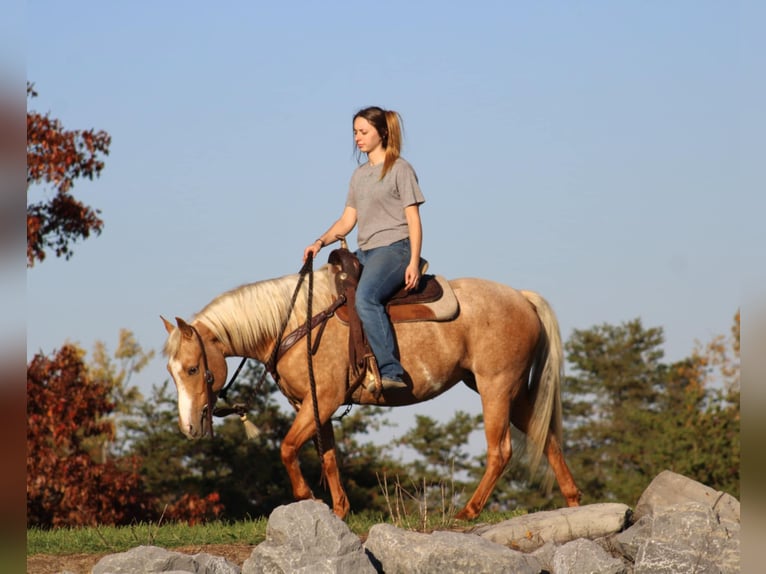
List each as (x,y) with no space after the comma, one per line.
(195,427)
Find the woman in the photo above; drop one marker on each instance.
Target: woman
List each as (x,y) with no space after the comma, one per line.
(384,199)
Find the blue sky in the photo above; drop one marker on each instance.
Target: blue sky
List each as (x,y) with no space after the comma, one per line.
(601,153)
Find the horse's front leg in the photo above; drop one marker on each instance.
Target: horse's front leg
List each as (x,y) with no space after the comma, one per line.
(303,428)
(340,504)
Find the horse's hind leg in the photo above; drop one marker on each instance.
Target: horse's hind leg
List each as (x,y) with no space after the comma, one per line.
(497,431)
(520,416)
(563,475)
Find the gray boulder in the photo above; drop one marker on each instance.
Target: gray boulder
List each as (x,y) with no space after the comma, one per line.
(397,551)
(669,489)
(150,559)
(683,524)
(687,537)
(531,531)
(306,537)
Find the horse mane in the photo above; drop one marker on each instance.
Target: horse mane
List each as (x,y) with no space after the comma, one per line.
(250,316)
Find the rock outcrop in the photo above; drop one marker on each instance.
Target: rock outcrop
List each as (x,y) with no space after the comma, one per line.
(678,525)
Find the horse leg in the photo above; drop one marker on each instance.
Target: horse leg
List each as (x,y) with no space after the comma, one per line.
(300,431)
(520,416)
(497,431)
(564,477)
(340,504)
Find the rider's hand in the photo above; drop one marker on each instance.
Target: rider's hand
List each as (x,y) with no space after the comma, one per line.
(313,249)
(411,276)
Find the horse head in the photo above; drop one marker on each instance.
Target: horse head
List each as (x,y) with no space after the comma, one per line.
(194,357)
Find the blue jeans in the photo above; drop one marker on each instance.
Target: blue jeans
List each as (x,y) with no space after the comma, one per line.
(382,277)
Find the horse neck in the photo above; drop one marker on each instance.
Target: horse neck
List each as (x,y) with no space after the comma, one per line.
(236,345)
(252,330)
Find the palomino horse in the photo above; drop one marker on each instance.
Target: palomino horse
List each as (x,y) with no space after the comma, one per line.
(504,344)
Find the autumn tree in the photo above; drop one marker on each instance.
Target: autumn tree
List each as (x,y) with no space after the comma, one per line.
(57,157)
(68,481)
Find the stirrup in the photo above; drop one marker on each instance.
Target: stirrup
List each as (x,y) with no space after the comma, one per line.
(372,377)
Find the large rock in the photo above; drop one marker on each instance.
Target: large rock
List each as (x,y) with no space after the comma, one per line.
(531,531)
(681,524)
(397,551)
(306,537)
(151,559)
(687,537)
(669,489)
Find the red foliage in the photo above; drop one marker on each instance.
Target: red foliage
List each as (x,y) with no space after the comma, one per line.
(57,156)
(66,422)
(193,509)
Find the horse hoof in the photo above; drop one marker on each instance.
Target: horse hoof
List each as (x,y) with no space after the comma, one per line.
(465,515)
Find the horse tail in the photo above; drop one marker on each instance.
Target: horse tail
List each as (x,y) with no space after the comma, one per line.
(545,381)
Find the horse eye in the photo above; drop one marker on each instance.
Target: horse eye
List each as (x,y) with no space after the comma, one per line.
(193,371)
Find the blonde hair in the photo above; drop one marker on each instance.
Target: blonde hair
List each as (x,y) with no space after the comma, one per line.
(388,124)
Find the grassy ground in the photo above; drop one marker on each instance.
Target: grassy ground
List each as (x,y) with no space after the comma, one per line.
(78,549)
(110,539)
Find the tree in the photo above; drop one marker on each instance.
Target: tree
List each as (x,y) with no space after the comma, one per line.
(629,416)
(702,439)
(57,157)
(129,358)
(441,446)
(67,418)
(618,376)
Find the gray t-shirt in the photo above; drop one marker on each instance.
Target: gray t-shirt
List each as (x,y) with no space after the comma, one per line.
(380,203)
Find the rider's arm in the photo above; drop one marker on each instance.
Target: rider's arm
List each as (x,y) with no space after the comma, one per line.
(412,273)
(342,227)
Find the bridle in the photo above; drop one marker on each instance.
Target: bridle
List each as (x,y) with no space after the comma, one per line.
(209,380)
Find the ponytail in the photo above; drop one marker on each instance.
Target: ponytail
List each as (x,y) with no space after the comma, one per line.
(392,142)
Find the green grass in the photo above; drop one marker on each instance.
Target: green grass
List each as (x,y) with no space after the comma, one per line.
(111,539)
(409,509)
(108,539)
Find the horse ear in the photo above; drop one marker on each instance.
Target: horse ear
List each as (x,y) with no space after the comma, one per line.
(186,329)
(168,325)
